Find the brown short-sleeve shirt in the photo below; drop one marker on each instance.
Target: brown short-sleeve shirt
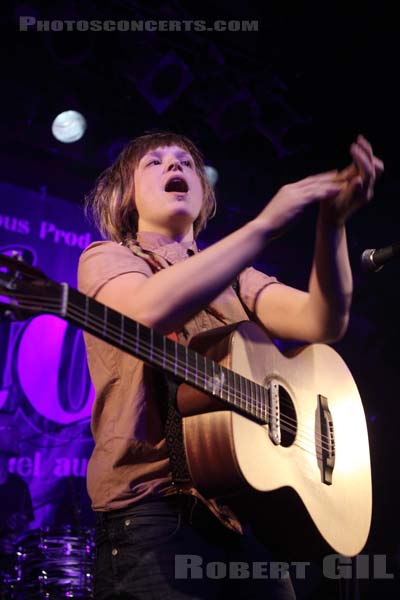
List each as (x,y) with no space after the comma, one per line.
(130,459)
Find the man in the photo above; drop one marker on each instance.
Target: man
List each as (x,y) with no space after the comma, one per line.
(151,204)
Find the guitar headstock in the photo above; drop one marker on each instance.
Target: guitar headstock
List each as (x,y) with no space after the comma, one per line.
(26,291)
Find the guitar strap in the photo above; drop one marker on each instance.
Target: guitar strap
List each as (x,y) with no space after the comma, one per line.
(167,388)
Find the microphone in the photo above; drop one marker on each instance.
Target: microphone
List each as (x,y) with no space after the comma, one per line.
(373,260)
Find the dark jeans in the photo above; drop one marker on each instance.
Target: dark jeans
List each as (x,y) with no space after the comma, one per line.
(176,549)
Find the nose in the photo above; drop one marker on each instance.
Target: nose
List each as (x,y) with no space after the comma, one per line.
(174,165)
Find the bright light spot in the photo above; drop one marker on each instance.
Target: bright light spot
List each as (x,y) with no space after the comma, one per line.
(211,174)
(69,126)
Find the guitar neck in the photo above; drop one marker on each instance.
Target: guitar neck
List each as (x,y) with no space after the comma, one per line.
(241,394)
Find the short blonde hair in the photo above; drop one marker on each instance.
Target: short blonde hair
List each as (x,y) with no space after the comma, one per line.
(111,203)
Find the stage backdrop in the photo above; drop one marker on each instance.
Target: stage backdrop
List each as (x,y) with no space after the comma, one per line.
(44,380)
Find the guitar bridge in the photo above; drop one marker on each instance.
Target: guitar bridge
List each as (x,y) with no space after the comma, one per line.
(274,415)
(327,441)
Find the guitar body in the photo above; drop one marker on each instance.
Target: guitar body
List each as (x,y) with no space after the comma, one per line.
(227,452)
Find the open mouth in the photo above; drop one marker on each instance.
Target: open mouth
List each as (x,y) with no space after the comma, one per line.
(177,184)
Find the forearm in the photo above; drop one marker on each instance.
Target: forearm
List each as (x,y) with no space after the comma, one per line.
(331,284)
(168,299)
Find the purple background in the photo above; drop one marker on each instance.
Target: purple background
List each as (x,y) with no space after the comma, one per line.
(44,377)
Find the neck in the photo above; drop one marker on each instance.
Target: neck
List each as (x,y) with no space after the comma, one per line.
(176,235)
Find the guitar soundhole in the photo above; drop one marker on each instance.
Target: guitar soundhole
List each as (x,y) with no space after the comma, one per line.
(288,418)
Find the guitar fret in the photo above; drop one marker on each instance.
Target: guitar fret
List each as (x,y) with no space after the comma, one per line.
(256,395)
(265,405)
(64,299)
(186,363)
(220,381)
(223,383)
(195,368)
(213,378)
(205,373)
(176,359)
(236,381)
(260,398)
(261,405)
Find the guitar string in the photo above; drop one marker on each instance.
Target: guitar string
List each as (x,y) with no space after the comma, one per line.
(300,434)
(261,407)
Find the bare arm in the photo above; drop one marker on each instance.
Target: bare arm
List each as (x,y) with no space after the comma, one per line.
(321,314)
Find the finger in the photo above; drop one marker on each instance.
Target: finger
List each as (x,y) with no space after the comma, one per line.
(363,162)
(377,163)
(379,166)
(365,182)
(319,177)
(319,191)
(364,143)
(366,146)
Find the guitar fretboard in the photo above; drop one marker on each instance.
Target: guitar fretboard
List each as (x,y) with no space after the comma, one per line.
(241,393)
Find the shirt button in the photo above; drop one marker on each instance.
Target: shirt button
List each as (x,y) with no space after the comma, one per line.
(114,551)
(127,522)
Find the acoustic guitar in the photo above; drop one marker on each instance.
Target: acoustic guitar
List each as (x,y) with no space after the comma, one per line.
(254,420)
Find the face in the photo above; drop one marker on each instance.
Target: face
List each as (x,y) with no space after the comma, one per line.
(168,192)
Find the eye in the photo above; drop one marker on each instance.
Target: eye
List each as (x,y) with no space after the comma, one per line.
(155,161)
(187,163)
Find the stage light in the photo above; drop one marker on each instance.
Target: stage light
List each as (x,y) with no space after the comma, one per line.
(69,126)
(211,174)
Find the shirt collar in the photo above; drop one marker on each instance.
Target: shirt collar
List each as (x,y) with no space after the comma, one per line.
(166,247)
